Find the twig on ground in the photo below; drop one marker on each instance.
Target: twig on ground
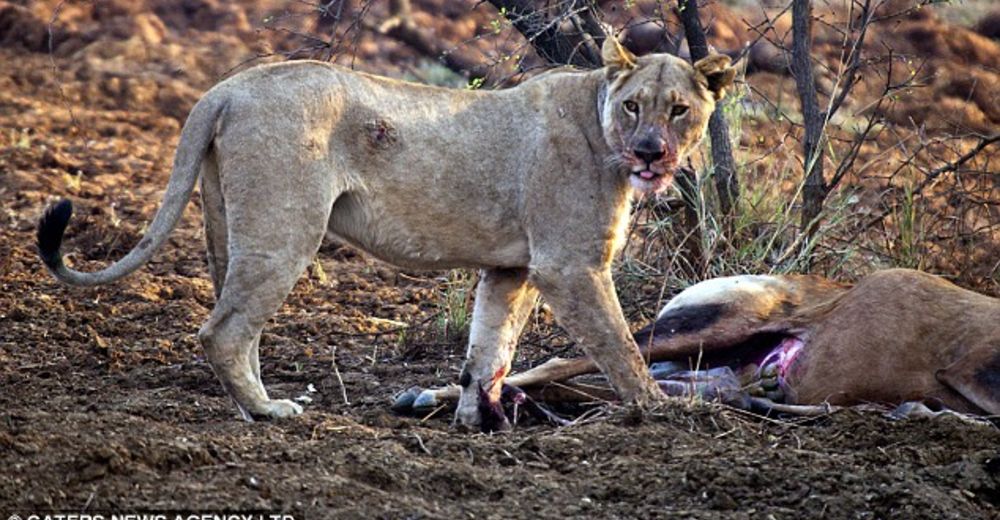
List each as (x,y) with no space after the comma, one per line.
(420,442)
(336,372)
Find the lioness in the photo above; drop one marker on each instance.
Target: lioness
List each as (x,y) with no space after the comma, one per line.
(530,184)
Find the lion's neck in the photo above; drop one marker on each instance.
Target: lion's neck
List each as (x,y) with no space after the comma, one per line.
(573,98)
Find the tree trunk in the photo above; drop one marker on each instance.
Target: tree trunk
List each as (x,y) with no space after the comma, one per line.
(814,190)
(726,182)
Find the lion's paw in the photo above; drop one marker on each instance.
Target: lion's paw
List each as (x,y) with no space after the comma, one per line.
(468,419)
(277,409)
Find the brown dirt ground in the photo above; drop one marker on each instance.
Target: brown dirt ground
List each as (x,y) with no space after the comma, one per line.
(106,402)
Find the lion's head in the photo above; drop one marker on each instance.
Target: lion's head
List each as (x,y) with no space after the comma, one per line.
(655,110)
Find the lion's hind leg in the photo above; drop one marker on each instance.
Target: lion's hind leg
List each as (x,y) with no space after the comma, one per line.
(214,209)
(217,238)
(274,224)
(257,283)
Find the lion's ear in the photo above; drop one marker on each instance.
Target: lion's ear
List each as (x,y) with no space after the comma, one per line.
(615,56)
(718,74)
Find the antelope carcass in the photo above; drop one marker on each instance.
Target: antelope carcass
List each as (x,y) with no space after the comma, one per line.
(780,342)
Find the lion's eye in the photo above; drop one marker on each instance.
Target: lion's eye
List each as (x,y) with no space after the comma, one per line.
(631,106)
(678,111)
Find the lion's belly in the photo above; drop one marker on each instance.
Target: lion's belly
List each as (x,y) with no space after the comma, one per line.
(420,236)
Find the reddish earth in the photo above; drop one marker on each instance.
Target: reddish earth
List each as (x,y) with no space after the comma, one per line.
(106,402)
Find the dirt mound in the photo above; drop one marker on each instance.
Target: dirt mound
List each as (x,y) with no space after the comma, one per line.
(20,28)
(954,66)
(989,25)
(961,67)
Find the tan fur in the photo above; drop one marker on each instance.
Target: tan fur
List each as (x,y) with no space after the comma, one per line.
(900,335)
(529,184)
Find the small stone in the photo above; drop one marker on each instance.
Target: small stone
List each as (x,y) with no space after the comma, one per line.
(93,471)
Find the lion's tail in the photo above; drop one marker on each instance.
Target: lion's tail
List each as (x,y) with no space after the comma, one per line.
(197,135)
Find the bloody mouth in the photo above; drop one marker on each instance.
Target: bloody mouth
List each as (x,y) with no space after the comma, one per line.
(648,181)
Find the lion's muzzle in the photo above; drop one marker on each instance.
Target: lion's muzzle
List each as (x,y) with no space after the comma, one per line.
(654,158)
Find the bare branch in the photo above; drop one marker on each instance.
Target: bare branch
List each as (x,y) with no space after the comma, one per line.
(933,175)
(854,59)
(547,30)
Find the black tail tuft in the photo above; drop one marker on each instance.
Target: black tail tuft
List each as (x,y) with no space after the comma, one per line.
(50,232)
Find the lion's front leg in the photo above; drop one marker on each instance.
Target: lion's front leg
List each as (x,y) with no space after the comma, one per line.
(585,303)
(504,300)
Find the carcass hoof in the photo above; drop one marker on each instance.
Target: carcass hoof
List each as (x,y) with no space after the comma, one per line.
(415,401)
(402,403)
(426,402)
(919,410)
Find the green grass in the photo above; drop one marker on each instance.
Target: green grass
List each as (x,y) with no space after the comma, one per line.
(455,305)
